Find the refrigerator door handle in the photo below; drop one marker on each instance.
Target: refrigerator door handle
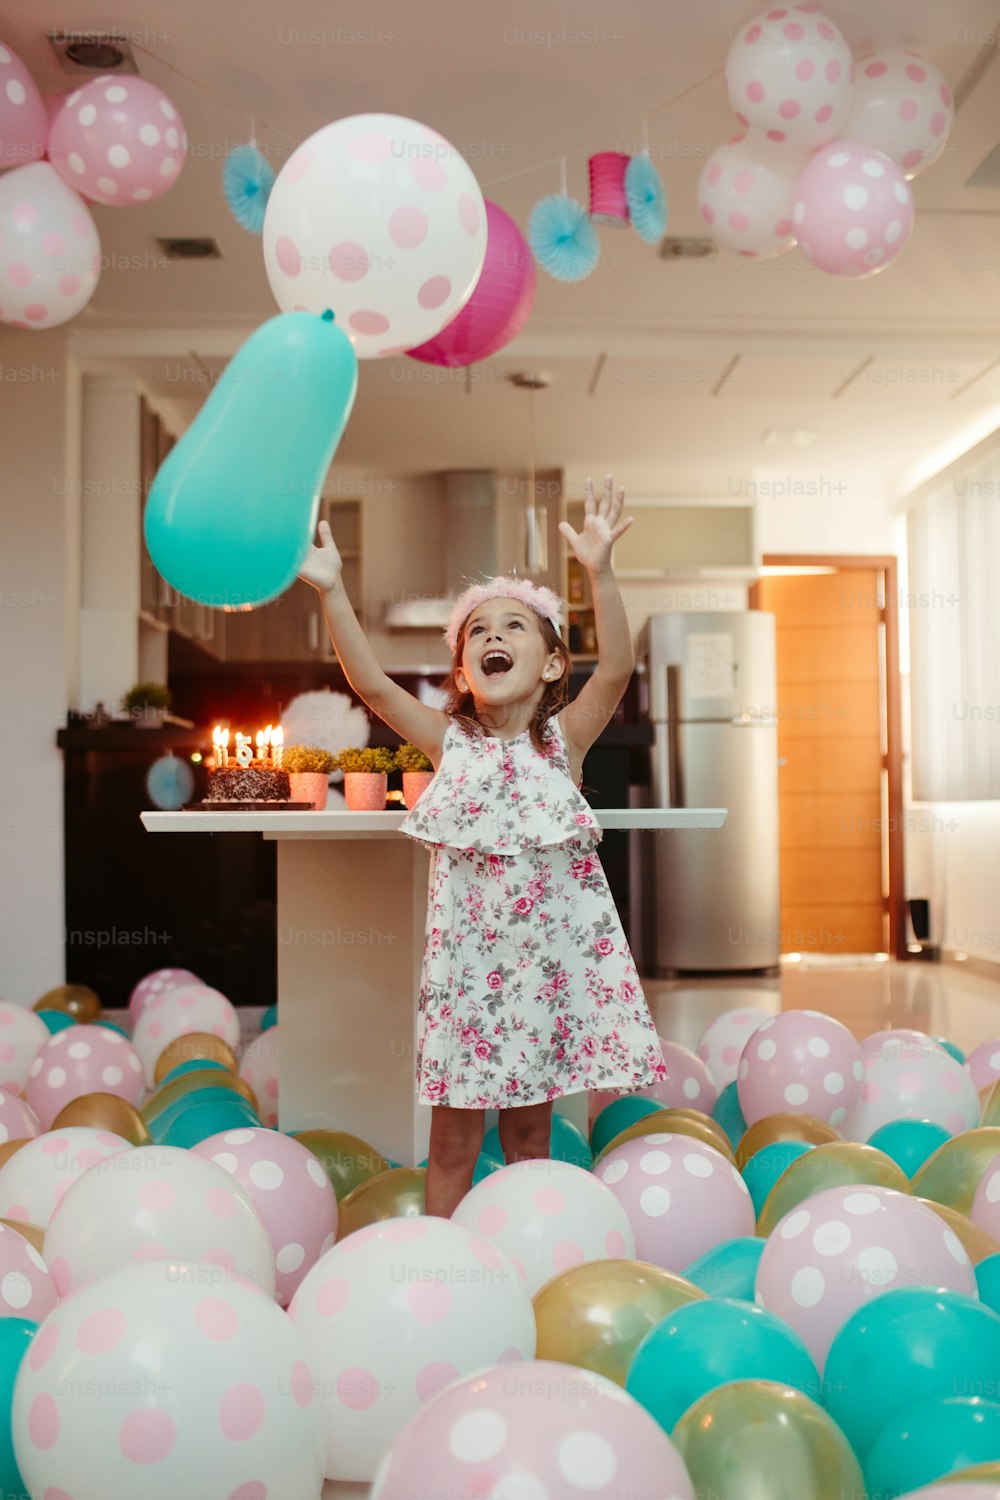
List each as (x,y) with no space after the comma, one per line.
(675,758)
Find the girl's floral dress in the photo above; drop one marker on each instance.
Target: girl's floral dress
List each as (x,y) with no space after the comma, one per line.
(529,989)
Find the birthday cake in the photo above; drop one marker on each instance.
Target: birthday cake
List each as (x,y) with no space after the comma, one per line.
(248,784)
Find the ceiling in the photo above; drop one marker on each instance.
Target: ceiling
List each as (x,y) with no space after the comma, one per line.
(670,372)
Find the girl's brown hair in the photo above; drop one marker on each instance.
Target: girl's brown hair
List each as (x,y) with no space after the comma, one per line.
(460,706)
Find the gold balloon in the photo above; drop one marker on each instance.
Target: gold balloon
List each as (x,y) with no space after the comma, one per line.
(191,1047)
(978,1244)
(987,1472)
(837,1164)
(984,1094)
(991,1109)
(754,1438)
(33,1233)
(105,1112)
(675,1121)
(189,1083)
(596,1315)
(8,1148)
(346,1159)
(784,1127)
(396,1194)
(77,1000)
(951,1174)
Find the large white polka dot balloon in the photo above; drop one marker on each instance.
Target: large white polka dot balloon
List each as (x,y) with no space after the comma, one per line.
(746,193)
(118,141)
(24,122)
(37,1177)
(682,1198)
(174,1013)
(393,1313)
(789,75)
(380,219)
(802,1063)
(903,105)
(158,1203)
(83,1060)
(844,1246)
(259,1068)
(540,1431)
(912,1080)
(50,255)
(23,1034)
(723,1040)
(149,1382)
(290,1191)
(853,210)
(547,1216)
(26,1288)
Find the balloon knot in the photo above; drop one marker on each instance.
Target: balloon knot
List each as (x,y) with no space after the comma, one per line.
(327,316)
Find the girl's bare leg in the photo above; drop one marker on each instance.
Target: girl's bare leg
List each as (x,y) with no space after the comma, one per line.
(525,1132)
(456,1139)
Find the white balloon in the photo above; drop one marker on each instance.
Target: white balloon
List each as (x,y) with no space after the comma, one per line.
(50,255)
(789,75)
(723,1041)
(380,219)
(746,195)
(902,104)
(911,1081)
(175,1013)
(34,1180)
(23,1034)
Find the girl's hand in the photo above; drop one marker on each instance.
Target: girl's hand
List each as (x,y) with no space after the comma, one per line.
(602,526)
(322,567)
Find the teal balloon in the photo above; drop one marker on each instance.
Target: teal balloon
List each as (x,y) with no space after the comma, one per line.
(113,1026)
(728,1270)
(566,1143)
(909,1142)
(15,1336)
(205,1117)
(766,1166)
(907,1346)
(956,1052)
(727,1113)
(988,1281)
(931,1440)
(618,1116)
(233,508)
(192,1065)
(705,1344)
(160,1128)
(269,1018)
(56,1020)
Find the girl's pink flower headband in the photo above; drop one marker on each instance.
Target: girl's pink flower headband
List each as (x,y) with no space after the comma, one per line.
(536,596)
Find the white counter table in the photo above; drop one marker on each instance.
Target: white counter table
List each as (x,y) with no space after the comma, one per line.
(352,901)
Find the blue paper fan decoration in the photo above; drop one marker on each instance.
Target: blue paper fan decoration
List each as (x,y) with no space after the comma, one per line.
(647,201)
(247,180)
(170,782)
(563,240)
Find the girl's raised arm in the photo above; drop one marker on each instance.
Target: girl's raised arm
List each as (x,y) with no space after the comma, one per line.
(417,722)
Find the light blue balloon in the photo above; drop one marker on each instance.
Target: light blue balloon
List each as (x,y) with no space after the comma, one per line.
(15,1336)
(233,508)
(930,1440)
(618,1116)
(988,1281)
(161,1126)
(909,1142)
(204,1117)
(269,1018)
(566,1143)
(486,1165)
(727,1112)
(766,1166)
(956,1052)
(728,1270)
(709,1343)
(56,1020)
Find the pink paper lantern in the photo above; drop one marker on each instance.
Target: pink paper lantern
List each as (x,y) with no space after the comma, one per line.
(499,306)
(118,141)
(24,123)
(608,201)
(853,210)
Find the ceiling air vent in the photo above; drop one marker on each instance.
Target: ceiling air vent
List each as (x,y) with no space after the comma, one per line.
(676,247)
(190,249)
(82,52)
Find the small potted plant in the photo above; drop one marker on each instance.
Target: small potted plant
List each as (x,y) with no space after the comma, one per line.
(309,770)
(366,777)
(147,704)
(418,773)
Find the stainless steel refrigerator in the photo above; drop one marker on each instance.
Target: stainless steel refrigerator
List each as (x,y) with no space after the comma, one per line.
(711,898)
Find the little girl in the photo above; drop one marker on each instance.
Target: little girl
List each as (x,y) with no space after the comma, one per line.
(529,990)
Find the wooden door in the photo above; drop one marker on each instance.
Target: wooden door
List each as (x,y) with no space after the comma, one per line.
(832,759)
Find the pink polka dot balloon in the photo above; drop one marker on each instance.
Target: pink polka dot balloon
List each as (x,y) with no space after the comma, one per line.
(986,1201)
(118,141)
(541,1431)
(912,1080)
(83,1060)
(844,1246)
(24,121)
(380,219)
(903,106)
(982,1064)
(37,1177)
(789,75)
(547,1216)
(681,1197)
(393,1313)
(802,1063)
(50,256)
(688,1084)
(157,983)
(290,1191)
(723,1040)
(746,193)
(150,1382)
(18,1121)
(23,1034)
(158,1203)
(26,1288)
(173,1013)
(259,1068)
(853,210)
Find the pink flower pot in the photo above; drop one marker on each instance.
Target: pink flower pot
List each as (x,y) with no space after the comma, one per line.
(364,791)
(309,786)
(415,784)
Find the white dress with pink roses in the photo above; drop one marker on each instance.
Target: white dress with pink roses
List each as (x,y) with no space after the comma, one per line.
(529,989)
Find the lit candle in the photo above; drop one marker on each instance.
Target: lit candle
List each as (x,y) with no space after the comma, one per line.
(268,749)
(261,750)
(217,747)
(244,750)
(277,746)
(225,748)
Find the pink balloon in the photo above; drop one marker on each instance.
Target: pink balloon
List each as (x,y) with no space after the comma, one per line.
(846,1245)
(24,122)
(903,105)
(681,1197)
(746,193)
(498,308)
(789,75)
(688,1084)
(82,1060)
(118,141)
(50,256)
(983,1063)
(259,1068)
(157,983)
(803,1063)
(537,1428)
(853,210)
(986,1202)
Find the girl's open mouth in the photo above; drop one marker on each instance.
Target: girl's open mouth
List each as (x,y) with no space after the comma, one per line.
(496,661)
